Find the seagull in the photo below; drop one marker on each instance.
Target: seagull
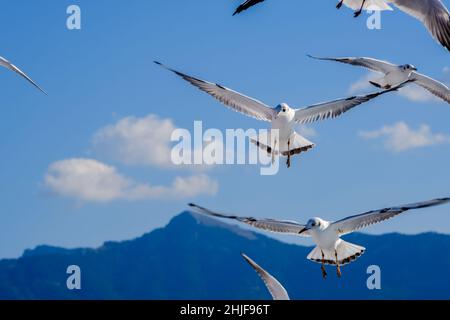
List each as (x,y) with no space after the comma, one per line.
(275,288)
(395,74)
(282,118)
(330,248)
(354,4)
(245,5)
(432,13)
(8,65)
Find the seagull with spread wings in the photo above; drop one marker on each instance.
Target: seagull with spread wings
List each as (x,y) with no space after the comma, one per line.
(283,140)
(276,289)
(396,74)
(432,13)
(8,65)
(330,249)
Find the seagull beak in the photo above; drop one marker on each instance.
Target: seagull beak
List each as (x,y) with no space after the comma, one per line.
(303,230)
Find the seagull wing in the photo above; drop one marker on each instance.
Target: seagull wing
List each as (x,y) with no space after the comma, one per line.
(5,63)
(435,87)
(278,226)
(234,100)
(275,288)
(353,223)
(245,5)
(368,63)
(335,108)
(434,15)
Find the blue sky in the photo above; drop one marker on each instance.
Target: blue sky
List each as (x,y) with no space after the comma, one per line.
(103,73)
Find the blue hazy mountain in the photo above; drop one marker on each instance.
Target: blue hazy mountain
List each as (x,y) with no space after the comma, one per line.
(195,257)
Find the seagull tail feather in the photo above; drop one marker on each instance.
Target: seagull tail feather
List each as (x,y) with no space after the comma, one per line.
(347,253)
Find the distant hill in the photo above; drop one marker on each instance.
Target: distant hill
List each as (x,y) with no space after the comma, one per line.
(195,257)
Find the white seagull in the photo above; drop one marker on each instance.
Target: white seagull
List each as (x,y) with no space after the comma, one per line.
(330,249)
(283,118)
(396,74)
(276,289)
(8,65)
(432,13)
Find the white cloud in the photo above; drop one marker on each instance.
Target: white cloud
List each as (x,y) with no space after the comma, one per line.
(400,137)
(137,141)
(92,181)
(362,84)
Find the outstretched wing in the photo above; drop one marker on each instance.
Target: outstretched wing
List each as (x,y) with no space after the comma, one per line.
(435,87)
(232,99)
(368,63)
(433,14)
(335,108)
(278,226)
(360,221)
(275,288)
(5,63)
(245,5)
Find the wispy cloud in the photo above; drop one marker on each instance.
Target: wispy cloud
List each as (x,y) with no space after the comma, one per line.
(400,137)
(93,181)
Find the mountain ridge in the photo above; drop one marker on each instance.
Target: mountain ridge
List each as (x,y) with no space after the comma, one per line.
(196,257)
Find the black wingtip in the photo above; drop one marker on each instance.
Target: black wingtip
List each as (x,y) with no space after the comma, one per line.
(158,63)
(192,205)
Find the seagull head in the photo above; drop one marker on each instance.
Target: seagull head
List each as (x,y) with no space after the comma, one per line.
(408,67)
(283,109)
(315,224)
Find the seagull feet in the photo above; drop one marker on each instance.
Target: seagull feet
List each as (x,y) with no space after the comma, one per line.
(339,5)
(339,273)
(338,267)
(357,13)
(324,273)
(288,163)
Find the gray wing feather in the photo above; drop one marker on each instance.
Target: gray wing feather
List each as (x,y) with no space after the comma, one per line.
(360,221)
(232,99)
(278,226)
(275,288)
(5,63)
(336,108)
(368,63)
(435,87)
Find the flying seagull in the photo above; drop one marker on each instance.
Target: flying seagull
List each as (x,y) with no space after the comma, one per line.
(275,288)
(394,75)
(432,13)
(330,249)
(5,63)
(282,118)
